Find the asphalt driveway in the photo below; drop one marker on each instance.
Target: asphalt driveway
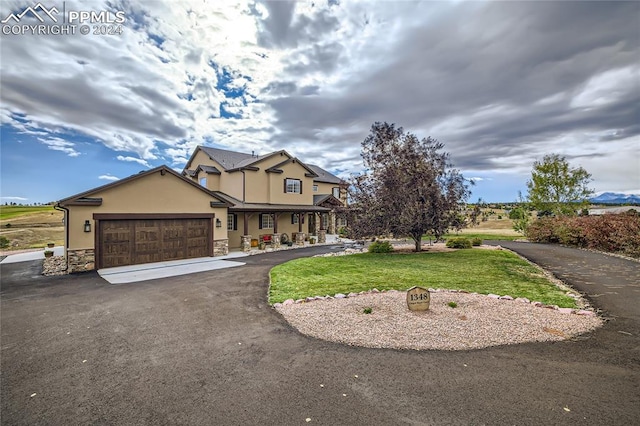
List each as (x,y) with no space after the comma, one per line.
(206,349)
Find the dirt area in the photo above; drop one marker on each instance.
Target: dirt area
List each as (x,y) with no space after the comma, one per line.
(33,230)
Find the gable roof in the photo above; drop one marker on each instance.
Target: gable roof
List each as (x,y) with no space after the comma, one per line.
(277,169)
(84,198)
(231,160)
(326,199)
(325,176)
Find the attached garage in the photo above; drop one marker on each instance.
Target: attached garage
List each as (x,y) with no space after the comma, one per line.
(154,216)
(134,239)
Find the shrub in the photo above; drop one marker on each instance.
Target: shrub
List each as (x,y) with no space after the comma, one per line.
(367,310)
(4,242)
(476,242)
(459,243)
(380,247)
(452,304)
(614,233)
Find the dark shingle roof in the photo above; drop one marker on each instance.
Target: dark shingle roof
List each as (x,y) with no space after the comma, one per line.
(323,175)
(209,169)
(227,159)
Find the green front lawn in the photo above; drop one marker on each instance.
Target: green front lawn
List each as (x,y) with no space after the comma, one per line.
(475,270)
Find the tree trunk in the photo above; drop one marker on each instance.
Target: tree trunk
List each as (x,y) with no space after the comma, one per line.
(417,239)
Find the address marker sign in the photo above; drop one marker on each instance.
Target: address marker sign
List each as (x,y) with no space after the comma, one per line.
(418,299)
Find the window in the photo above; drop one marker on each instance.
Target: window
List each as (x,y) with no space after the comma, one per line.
(336,192)
(341,222)
(293,186)
(231,222)
(315,188)
(266,221)
(294,218)
(203,182)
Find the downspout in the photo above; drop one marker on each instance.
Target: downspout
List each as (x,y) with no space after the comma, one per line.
(58,207)
(243,186)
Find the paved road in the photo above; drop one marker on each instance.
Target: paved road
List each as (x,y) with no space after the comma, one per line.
(206,349)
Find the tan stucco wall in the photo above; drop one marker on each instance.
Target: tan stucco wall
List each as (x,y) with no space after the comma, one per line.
(276,186)
(149,194)
(213,180)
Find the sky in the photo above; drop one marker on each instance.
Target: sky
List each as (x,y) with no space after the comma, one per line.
(500,84)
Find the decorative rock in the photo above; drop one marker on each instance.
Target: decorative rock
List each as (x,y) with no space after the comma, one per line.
(523,300)
(277,305)
(584,312)
(507,297)
(288,302)
(339,296)
(418,299)
(537,304)
(552,307)
(310,299)
(565,310)
(352,294)
(375,290)
(299,300)
(493,296)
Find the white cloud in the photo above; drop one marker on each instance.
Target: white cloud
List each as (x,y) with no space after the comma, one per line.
(108,177)
(58,144)
(14,198)
(133,160)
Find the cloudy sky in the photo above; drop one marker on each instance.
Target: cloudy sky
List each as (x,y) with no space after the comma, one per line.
(499,83)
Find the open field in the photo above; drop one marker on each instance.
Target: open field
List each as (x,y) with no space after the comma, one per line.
(31,227)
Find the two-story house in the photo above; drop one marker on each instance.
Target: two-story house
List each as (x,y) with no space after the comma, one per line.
(270,195)
(222,200)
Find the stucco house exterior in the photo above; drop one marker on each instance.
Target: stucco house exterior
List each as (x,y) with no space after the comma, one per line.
(222,200)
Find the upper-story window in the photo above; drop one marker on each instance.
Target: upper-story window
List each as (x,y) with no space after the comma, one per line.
(315,188)
(293,186)
(231,222)
(336,192)
(203,182)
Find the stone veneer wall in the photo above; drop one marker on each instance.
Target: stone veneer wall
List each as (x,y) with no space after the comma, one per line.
(81,260)
(220,247)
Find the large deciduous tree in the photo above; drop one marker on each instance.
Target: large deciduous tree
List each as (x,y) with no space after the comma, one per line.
(557,188)
(408,188)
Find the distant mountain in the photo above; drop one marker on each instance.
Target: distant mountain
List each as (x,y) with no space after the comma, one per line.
(614,198)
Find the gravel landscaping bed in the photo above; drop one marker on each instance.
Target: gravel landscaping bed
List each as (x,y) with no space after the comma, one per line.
(478,321)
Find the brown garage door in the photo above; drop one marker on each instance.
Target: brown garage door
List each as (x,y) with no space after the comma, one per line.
(134,241)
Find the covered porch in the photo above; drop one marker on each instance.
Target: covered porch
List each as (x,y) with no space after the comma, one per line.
(251,224)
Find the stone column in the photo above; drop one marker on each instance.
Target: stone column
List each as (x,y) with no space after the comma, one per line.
(332,222)
(275,240)
(322,236)
(318,222)
(221,247)
(245,245)
(300,238)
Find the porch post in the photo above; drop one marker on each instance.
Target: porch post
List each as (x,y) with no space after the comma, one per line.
(275,238)
(299,239)
(245,241)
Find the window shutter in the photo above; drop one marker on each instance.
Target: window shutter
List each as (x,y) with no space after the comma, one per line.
(235,222)
(260,221)
(301,187)
(292,218)
(285,186)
